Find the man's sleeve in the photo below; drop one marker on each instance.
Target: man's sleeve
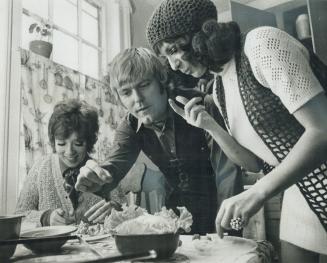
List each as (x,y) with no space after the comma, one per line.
(122,156)
(228,176)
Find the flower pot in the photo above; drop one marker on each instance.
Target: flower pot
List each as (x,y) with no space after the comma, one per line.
(41,47)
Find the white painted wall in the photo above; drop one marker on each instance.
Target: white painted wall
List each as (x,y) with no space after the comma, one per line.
(118,24)
(4,31)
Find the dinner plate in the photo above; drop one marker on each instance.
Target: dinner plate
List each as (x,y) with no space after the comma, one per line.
(48,231)
(89,238)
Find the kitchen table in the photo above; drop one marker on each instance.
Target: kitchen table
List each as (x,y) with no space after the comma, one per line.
(230,249)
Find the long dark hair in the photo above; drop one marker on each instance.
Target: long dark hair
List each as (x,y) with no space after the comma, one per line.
(213,46)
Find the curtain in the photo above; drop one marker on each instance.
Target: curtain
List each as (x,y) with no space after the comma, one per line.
(43,84)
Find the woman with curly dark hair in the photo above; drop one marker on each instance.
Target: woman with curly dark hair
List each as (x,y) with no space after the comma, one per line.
(48,196)
(271,92)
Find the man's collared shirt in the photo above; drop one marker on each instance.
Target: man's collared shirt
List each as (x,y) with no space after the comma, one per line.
(165,132)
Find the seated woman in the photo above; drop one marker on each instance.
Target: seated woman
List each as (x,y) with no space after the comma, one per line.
(48,196)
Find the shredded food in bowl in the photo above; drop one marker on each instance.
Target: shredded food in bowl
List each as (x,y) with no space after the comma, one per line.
(134,220)
(90,229)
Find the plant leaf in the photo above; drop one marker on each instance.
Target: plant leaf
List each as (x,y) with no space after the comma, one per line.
(31,28)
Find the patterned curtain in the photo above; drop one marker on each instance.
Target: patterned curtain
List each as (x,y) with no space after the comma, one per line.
(43,84)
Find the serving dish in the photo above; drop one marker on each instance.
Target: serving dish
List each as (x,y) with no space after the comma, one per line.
(49,231)
(163,244)
(10,229)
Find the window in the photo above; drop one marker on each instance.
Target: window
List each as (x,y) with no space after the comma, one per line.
(76,35)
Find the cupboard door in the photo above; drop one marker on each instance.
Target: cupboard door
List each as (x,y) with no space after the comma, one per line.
(248,17)
(318,16)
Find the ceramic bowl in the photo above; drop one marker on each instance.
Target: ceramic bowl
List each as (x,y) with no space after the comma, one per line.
(164,244)
(48,231)
(9,229)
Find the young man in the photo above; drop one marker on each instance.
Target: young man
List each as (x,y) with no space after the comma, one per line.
(180,150)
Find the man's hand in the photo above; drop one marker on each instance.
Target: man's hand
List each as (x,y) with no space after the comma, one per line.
(98,212)
(92,177)
(193,113)
(61,217)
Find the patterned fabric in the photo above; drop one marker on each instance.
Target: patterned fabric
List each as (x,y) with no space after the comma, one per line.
(43,84)
(173,18)
(278,128)
(280,63)
(70,178)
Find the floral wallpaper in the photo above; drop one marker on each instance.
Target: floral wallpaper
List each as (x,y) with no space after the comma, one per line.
(43,84)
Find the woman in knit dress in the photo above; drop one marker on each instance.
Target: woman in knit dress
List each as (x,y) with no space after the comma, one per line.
(48,196)
(270,90)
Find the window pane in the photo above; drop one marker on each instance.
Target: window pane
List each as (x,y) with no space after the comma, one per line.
(90,28)
(26,35)
(65,14)
(36,6)
(65,50)
(91,9)
(90,60)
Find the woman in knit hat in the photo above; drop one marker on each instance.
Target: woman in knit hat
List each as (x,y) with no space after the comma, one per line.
(270,90)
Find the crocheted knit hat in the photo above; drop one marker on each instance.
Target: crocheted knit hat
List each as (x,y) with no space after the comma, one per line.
(173,18)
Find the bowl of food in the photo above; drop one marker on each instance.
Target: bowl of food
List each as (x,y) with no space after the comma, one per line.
(9,229)
(137,231)
(164,244)
(47,231)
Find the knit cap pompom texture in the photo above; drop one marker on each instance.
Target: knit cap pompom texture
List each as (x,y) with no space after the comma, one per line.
(173,18)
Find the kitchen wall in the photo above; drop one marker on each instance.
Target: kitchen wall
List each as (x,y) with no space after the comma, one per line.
(142,11)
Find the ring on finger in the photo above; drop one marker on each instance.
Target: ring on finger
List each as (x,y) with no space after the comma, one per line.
(237,223)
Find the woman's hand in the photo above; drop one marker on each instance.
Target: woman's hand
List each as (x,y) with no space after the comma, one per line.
(307,153)
(61,217)
(197,116)
(243,205)
(193,113)
(98,212)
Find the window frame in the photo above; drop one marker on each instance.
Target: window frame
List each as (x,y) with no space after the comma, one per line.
(101,48)
(116,32)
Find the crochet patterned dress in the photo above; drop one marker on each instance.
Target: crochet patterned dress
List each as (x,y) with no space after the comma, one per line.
(281,64)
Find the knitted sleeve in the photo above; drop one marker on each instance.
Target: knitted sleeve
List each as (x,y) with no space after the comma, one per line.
(281,63)
(28,201)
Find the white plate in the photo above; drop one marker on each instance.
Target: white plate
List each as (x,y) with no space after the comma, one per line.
(48,231)
(89,238)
